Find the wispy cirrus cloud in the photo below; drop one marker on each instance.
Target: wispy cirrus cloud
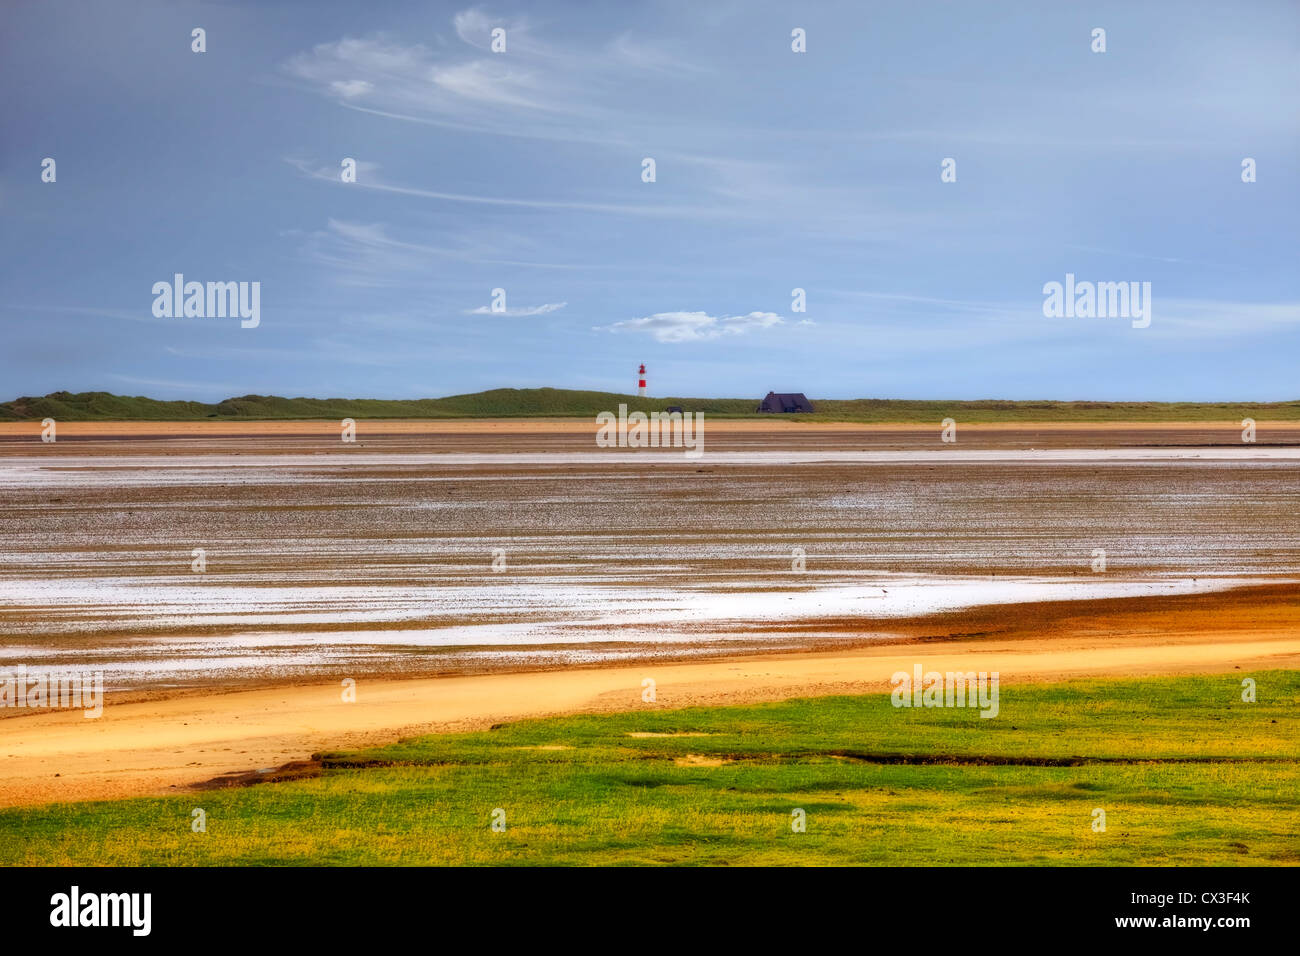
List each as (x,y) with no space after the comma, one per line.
(651,210)
(538,89)
(188,384)
(365,254)
(543,309)
(527,93)
(560,92)
(674,327)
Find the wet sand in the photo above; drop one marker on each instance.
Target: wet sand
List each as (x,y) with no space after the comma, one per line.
(793,558)
(503,551)
(188,741)
(577,434)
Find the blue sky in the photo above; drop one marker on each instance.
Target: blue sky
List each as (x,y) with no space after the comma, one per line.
(775,170)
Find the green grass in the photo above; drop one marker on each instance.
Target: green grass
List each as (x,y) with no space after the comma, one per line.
(568,403)
(1186,773)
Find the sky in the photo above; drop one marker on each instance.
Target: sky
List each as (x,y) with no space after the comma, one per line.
(524,170)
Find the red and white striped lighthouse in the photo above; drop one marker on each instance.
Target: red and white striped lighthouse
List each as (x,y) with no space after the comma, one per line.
(640,382)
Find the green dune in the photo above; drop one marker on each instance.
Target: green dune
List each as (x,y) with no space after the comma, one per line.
(571,403)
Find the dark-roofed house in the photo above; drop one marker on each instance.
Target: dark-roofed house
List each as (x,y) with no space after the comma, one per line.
(785,402)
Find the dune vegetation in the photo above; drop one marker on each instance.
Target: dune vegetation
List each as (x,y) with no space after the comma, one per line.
(1185,772)
(569,403)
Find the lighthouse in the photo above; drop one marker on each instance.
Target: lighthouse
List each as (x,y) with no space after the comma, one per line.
(640,382)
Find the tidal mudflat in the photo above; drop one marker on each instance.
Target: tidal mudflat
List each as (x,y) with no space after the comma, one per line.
(190,558)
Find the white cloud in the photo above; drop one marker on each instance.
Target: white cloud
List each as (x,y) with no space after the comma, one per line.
(1211,318)
(485,91)
(364,254)
(575,94)
(694,326)
(484,82)
(636,54)
(525,310)
(349,89)
(189,385)
(474,27)
(653,210)
(565,93)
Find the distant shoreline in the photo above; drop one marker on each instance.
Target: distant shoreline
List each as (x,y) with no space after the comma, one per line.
(568,404)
